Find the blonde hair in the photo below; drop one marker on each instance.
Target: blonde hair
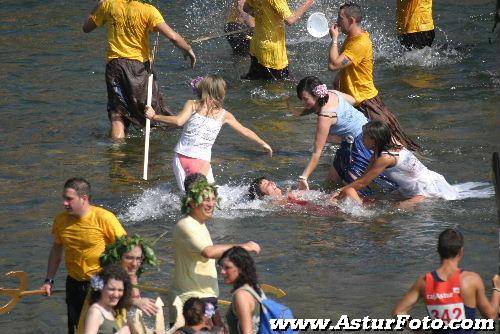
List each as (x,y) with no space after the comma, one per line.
(212,91)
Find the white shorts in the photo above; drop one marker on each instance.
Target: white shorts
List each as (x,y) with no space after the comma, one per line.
(180,174)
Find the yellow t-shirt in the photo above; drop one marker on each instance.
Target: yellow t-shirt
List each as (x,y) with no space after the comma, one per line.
(357,78)
(85,239)
(194,274)
(268,41)
(414,16)
(129,24)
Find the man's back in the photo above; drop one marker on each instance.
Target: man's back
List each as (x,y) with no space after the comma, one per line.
(129,23)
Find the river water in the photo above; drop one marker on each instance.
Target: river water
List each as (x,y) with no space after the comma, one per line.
(54,126)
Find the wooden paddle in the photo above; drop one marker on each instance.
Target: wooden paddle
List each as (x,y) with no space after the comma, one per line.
(17,294)
(496,182)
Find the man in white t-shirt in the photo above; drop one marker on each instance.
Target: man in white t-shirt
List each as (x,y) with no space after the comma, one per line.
(195,274)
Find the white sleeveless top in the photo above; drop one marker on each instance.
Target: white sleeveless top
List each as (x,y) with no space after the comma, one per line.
(198,136)
(414,178)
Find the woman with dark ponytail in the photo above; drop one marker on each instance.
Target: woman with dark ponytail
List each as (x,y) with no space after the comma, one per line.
(238,269)
(339,122)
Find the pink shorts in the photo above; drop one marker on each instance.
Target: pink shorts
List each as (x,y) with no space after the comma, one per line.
(184,166)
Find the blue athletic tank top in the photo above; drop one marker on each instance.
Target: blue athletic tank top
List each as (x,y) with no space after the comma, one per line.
(350,120)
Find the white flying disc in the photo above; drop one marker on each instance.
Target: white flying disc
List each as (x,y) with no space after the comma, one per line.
(317,25)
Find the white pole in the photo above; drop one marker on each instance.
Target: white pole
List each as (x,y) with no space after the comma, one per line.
(148,128)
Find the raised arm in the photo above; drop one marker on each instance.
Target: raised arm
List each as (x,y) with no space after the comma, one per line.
(179,119)
(336,61)
(55,258)
(89,24)
(410,298)
(323,125)
(216,251)
(292,19)
(488,308)
(246,132)
(178,41)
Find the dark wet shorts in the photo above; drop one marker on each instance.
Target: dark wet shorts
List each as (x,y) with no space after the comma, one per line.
(240,43)
(127,83)
(76,291)
(417,40)
(375,110)
(259,72)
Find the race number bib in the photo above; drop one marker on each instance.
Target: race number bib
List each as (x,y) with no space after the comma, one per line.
(447,312)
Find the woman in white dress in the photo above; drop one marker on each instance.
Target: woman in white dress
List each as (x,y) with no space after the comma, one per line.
(400,165)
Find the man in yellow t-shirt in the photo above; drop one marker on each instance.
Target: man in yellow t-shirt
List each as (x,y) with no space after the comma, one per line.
(414,23)
(269,60)
(195,274)
(355,65)
(128,59)
(81,234)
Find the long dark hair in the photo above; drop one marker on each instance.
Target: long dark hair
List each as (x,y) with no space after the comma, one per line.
(244,262)
(308,84)
(381,134)
(114,271)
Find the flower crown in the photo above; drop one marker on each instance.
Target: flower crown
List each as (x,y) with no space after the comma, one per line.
(97,283)
(320,91)
(196,194)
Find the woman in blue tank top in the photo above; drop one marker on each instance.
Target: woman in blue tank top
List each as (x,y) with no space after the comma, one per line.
(339,122)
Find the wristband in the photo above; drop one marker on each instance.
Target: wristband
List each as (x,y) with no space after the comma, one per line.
(335,42)
(49,280)
(302,177)
(496,289)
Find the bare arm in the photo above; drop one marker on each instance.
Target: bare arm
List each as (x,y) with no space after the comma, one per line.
(292,19)
(179,119)
(247,17)
(377,168)
(489,309)
(246,132)
(55,258)
(410,298)
(323,125)
(336,61)
(178,41)
(89,24)
(244,306)
(216,251)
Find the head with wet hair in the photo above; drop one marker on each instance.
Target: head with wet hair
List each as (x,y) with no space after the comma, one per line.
(315,89)
(450,243)
(353,11)
(254,191)
(380,134)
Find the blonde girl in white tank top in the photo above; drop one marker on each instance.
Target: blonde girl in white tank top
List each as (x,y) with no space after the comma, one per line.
(202,120)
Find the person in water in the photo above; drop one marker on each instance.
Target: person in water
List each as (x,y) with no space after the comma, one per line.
(338,121)
(449,292)
(401,166)
(202,120)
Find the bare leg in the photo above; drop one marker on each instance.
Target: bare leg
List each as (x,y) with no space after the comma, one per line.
(117,128)
(410,203)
